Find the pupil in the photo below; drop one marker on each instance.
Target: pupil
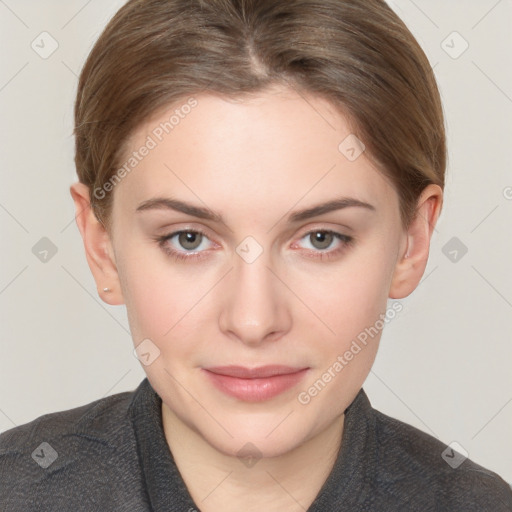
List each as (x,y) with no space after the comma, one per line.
(321,237)
(188,238)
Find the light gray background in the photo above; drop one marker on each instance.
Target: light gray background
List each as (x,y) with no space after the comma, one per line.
(445,362)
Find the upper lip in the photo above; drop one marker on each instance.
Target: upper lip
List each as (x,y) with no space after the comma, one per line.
(260,372)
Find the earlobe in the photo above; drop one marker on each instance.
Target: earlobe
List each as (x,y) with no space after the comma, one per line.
(98,247)
(413,256)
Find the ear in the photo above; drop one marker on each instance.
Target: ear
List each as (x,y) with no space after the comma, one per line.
(98,247)
(413,257)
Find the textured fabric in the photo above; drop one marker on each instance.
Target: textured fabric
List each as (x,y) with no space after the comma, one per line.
(111,455)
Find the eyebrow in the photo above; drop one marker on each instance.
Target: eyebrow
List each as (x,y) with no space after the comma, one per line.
(161,203)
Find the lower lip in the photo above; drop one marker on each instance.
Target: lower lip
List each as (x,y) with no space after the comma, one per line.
(255,390)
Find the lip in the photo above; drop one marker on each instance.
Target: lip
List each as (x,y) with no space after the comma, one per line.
(255,384)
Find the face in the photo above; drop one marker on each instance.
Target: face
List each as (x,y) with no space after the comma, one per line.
(250,306)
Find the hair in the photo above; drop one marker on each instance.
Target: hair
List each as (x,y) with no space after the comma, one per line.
(357,54)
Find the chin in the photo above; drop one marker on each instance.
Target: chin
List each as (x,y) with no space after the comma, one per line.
(259,437)
(251,447)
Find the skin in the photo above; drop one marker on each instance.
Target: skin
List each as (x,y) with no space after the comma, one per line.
(255,162)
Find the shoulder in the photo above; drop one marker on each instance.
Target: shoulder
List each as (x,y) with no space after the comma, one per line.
(415,463)
(76,452)
(96,419)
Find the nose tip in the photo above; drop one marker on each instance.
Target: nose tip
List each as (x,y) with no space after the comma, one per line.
(253,325)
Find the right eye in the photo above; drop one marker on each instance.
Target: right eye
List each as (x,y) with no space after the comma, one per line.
(187,239)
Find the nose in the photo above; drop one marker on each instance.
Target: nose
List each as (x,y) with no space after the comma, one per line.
(253,307)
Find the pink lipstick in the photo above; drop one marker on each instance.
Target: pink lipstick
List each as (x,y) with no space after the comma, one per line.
(254,384)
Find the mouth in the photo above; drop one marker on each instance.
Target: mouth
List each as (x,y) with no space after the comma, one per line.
(255,384)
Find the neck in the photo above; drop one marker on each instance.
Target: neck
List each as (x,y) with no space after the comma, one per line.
(219,482)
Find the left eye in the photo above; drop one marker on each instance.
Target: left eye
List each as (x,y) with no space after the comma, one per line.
(323,239)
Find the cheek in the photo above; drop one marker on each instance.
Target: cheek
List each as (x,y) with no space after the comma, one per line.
(150,294)
(165,301)
(348,297)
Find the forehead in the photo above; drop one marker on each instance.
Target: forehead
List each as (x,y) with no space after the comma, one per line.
(279,145)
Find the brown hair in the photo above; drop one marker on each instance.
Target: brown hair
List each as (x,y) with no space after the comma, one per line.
(357,54)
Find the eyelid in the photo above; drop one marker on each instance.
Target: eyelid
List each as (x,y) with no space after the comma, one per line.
(328,226)
(168,232)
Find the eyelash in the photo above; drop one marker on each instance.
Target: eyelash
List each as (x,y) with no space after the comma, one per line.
(346,240)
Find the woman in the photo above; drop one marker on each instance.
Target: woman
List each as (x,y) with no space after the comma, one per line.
(256,180)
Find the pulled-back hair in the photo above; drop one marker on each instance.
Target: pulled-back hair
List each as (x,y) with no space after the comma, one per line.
(357,54)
